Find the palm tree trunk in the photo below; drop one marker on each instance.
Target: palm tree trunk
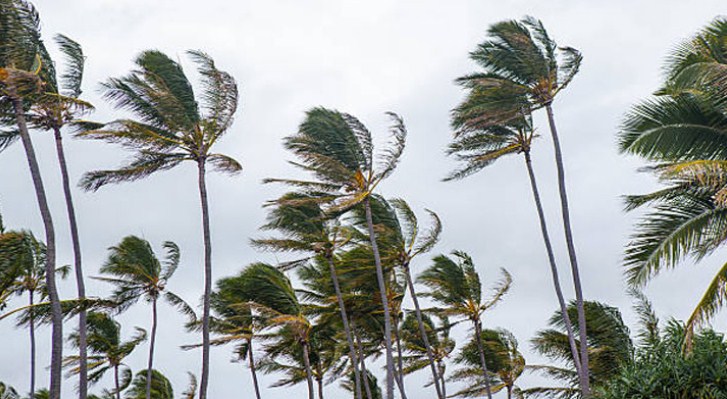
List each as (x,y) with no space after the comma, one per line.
(308,373)
(441,377)
(152,341)
(116,382)
(346,326)
(400,365)
(50,266)
(80,285)
(509,392)
(319,379)
(585,383)
(422,330)
(207,280)
(384,303)
(251,362)
(485,373)
(363,366)
(32,346)
(553,266)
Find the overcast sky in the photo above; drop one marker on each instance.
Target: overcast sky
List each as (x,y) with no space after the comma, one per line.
(365,58)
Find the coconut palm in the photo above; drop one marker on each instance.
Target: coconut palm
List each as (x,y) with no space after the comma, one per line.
(505,361)
(305,228)
(455,286)
(107,351)
(133,267)
(523,69)
(680,131)
(438,344)
(338,150)
(161,387)
(271,294)
(172,128)
(609,345)
(21,70)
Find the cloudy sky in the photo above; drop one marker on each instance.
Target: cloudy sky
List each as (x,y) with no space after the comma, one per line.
(365,58)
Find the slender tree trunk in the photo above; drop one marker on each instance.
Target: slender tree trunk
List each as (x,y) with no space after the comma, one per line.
(384,303)
(585,383)
(509,392)
(152,341)
(50,266)
(365,373)
(80,285)
(308,373)
(346,326)
(251,361)
(422,330)
(207,281)
(485,372)
(441,377)
(32,345)
(399,374)
(319,379)
(553,266)
(116,382)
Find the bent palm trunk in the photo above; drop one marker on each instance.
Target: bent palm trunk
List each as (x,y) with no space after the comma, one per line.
(423,331)
(346,326)
(80,285)
(151,347)
(363,367)
(384,302)
(485,372)
(50,266)
(251,361)
(204,380)
(584,374)
(553,266)
(400,365)
(308,372)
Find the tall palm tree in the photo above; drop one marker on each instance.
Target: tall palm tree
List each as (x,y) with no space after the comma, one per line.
(135,270)
(338,150)
(107,349)
(455,285)
(306,228)
(402,240)
(608,342)
(270,293)
(172,128)
(21,67)
(503,357)
(681,133)
(523,69)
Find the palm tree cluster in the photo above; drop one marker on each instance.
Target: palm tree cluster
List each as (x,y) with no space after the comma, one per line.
(354,302)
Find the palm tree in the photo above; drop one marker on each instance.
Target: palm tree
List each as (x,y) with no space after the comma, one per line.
(503,357)
(8,392)
(21,63)
(171,128)
(438,344)
(455,285)
(135,270)
(402,240)
(523,69)
(23,256)
(305,228)
(270,293)
(681,132)
(338,150)
(107,350)
(161,387)
(609,345)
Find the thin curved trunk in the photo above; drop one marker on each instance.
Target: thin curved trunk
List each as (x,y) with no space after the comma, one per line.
(485,372)
(346,326)
(251,362)
(509,392)
(80,285)
(152,341)
(32,345)
(585,383)
(308,373)
(207,280)
(50,266)
(441,377)
(553,266)
(422,330)
(400,365)
(319,379)
(384,302)
(116,382)
(361,356)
